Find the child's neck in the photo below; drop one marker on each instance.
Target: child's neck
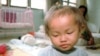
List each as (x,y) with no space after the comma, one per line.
(65,52)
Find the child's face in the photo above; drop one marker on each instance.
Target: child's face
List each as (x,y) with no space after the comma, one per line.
(82,10)
(63,32)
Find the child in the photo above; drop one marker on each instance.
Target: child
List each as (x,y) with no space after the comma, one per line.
(87,35)
(64,25)
(26,39)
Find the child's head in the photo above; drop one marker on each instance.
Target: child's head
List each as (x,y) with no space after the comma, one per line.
(64,24)
(83,10)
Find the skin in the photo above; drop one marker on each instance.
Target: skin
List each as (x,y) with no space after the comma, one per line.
(82,10)
(63,32)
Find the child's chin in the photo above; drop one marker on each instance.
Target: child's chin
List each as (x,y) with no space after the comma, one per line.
(65,49)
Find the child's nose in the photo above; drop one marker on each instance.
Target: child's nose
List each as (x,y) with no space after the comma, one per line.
(63,38)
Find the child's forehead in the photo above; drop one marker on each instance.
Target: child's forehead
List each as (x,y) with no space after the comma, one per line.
(68,19)
(65,20)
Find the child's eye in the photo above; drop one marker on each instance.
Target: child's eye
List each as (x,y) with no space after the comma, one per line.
(69,32)
(55,35)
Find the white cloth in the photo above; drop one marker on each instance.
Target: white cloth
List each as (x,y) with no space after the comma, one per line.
(28,39)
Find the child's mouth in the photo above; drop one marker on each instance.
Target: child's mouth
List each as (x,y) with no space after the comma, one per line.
(64,46)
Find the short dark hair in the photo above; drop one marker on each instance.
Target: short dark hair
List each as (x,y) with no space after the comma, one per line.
(82,6)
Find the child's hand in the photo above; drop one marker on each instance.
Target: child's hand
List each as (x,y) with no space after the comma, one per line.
(90,42)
